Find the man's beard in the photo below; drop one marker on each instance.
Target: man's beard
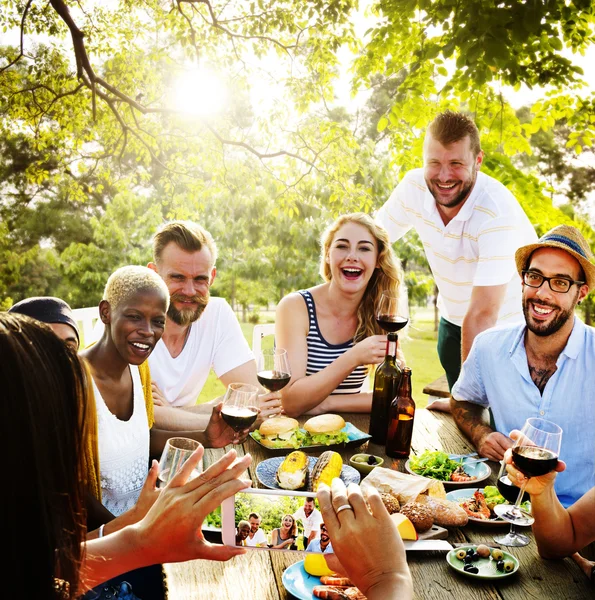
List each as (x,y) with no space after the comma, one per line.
(186,316)
(551,327)
(461,196)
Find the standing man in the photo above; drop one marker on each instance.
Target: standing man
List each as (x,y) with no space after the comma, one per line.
(470,226)
(541,368)
(310,518)
(256,537)
(201,332)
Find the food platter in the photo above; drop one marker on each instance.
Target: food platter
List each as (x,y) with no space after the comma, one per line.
(456,495)
(266,470)
(299,583)
(480,470)
(355,435)
(486,566)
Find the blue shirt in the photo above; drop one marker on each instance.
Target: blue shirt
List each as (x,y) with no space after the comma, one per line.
(496,374)
(314,546)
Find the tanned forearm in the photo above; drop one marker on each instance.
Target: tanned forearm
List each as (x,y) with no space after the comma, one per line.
(560,532)
(473,325)
(180,419)
(470,419)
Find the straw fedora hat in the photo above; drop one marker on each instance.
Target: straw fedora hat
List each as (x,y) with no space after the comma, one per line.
(566,238)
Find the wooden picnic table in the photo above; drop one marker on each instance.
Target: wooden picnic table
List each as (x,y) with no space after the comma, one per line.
(257,574)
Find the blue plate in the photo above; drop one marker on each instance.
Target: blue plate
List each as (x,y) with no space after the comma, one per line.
(267,469)
(480,470)
(356,438)
(299,583)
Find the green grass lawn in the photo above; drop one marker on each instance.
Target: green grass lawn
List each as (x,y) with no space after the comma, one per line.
(419,347)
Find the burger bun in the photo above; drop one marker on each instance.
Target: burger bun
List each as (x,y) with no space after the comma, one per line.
(277,425)
(324,423)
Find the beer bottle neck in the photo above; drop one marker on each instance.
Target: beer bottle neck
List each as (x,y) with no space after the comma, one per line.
(405,384)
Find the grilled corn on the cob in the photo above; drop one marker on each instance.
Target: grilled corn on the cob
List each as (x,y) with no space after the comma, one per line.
(292,473)
(327,467)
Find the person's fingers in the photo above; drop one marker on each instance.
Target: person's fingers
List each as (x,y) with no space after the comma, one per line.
(329,516)
(183,474)
(223,470)
(375,504)
(221,553)
(508,456)
(561,466)
(355,498)
(151,480)
(514,434)
(209,501)
(339,498)
(217,410)
(335,565)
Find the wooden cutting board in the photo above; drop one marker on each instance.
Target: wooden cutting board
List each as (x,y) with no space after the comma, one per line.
(435,533)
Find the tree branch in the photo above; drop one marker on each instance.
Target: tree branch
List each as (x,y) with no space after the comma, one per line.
(21,53)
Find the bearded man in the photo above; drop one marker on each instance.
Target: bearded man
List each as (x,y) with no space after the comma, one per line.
(201,333)
(542,368)
(470,226)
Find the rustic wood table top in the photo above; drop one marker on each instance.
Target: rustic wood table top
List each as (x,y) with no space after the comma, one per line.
(257,574)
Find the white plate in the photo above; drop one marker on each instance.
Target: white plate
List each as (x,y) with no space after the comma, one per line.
(480,470)
(463,494)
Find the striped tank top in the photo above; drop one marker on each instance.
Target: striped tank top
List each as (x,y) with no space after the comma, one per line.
(321,353)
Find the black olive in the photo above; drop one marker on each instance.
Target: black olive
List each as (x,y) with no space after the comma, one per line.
(470,552)
(371,460)
(468,559)
(500,565)
(471,569)
(476,557)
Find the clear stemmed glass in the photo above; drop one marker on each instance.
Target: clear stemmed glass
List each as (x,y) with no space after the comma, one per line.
(176,452)
(387,314)
(510,492)
(240,405)
(273,370)
(535,453)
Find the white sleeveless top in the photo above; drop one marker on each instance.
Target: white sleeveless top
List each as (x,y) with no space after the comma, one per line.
(123,450)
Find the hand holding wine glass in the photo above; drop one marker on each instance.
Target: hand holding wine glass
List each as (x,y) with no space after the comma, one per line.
(240,406)
(534,453)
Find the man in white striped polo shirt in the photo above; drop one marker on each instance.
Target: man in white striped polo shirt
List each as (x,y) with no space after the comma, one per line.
(470,226)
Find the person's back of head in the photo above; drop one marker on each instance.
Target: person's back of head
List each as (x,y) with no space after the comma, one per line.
(43,406)
(50,310)
(187,235)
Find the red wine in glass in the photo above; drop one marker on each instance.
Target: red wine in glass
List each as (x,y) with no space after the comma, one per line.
(239,417)
(534,461)
(510,491)
(273,380)
(391,323)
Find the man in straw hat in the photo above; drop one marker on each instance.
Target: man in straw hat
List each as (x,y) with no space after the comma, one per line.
(543,368)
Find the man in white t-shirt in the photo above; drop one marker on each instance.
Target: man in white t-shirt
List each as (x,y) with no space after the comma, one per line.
(201,332)
(311,520)
(256,537)
(470,226)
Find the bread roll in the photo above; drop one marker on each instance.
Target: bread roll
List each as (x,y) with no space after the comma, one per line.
(444,512)
(324,423)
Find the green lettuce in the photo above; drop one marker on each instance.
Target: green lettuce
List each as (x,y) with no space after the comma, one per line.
(297,440)
(435,465)
(327,439)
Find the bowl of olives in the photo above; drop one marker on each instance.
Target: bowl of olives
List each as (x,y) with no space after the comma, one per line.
(364,463)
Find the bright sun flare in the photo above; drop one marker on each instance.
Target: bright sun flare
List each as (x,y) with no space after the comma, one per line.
(199,92)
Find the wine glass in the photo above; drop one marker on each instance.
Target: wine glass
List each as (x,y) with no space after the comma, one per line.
(176,452)
(387,314)
(510,492)
(535,453)
(272,369)
(240,405)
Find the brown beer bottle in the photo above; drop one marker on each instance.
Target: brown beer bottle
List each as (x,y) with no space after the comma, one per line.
(402,413)
(386,385)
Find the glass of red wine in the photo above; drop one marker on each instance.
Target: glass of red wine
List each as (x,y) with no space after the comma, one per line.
(535,453)
(273,371)
(240,406)
(387,314)
(510,492)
